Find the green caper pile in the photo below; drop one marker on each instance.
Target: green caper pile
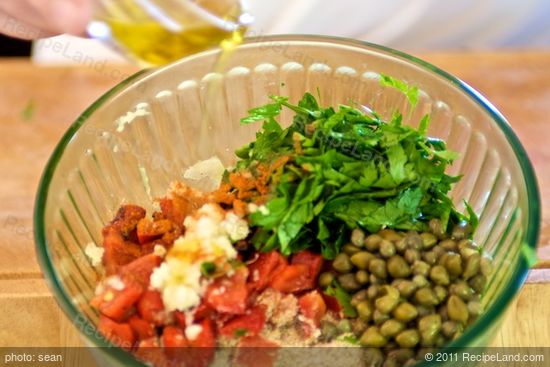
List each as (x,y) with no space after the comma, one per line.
(412,291)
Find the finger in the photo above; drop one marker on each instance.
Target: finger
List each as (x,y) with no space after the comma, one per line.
(14,27)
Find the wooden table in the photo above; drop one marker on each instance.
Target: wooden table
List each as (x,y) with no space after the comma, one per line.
(37,104)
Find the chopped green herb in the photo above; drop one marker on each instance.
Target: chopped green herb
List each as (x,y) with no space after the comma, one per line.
(348,338)
(411,92)
(335,290)
(240,332)
(28,111)
(345,169)
(208,268)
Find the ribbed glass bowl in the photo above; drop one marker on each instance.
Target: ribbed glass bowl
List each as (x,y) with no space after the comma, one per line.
(140,136)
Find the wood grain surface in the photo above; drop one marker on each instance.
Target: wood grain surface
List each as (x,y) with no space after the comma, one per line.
(37,104)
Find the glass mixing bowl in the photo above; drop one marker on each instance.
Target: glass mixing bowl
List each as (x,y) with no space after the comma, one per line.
(137,138)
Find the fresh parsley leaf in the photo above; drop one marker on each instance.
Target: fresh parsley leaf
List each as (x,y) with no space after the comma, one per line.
(411,92)
(473,219)
(348,338)
(240,332)
(343,297)
(208,268)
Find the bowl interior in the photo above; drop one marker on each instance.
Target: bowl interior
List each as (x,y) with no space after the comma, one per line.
(142,135)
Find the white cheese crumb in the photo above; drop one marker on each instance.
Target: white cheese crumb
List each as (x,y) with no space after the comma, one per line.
(115,282)
(94,253)
(236,228)
(159,250)
(263,209)
(252,208)
(207,173)
(192,331)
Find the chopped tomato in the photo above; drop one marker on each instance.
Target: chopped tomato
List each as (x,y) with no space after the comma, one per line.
(148,230)
(142,328)
(118,252)
(127,218)
(263,269)
(140,270)
(120,334)
(174,342)
(248,324)
(229,294)
(151,308)
(202,312)
(293,278)
(150,350)
(117,304)
(332,303)
(313,306)
(255,351)
(207,337)
(197,352)
(314,262)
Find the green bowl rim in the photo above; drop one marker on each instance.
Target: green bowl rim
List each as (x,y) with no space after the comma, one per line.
(530,237)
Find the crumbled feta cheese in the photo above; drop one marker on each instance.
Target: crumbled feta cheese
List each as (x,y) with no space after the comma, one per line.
(252,208)
(115,282)
(263,209)
(192,331)
(94,253)
(255,275)
(236,228)
(159,250)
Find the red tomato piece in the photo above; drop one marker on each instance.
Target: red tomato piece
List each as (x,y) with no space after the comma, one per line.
(120,334)
(117,304)
(250,323)
(140,270)
(151,308)
(314,262)
(148,230)
(229,294)
(149,350)
(312,306)
(118,252)
(255,351)
(174,342)
(293,278)
(332,303)
(263,269)
(142,328)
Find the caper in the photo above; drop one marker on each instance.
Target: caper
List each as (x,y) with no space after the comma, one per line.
(362,259)
(387,249)
(440,252)
(348,282)
(407,338)
(373,291)
(428,240)
(401,355)
(379,317)
(373,279)
(358,326)
(362,277)
(344,326)
(478,283)
(439,275)
(440,292)
(373,357)
(386,304)
(462,289)
(420,281)
(401,245)
(414,241)
(325,279)
(364,310)
(453,264)
(412,255)
(398,267)
(358,297)
(474,308)
(457,309)
(424,310)
(411,362)
(372,338)
(328,330)
(426,297)
(465,243)
(466,252)
(350,249)
(420,268)
(429,327)
(448,245)
(436,228)
(390,235)
(405,312)
(390,362)
(406,287)
(391,328)
(449,328)
(461,231)
(472,266)
(429,257)
(342,263)
(372,242)
(486,266)
(358,237)
(378,268)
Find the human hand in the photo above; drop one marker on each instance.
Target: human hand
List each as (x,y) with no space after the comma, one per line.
(31,19)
